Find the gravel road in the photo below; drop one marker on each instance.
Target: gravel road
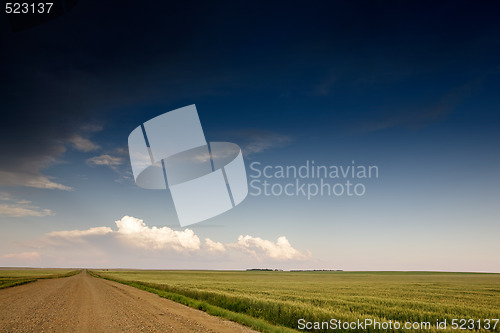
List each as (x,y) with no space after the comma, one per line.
(82,303)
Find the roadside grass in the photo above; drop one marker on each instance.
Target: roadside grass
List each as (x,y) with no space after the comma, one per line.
(16,277)
(275,301)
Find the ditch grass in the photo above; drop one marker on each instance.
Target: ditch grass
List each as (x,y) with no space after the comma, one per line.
(281,298)
(15,277)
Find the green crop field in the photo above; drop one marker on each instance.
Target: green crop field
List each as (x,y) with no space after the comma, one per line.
(260,298)
(10,277)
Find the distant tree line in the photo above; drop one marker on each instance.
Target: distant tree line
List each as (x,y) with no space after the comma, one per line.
(294,270)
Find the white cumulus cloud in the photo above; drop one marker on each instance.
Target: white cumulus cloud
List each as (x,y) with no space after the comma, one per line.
(137,233)
(258,247)
(214,246)
(133,233)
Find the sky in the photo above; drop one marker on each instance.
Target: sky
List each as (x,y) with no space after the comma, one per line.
(408,87)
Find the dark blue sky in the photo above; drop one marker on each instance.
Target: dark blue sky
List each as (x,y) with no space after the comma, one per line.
(347,65)
(409,86)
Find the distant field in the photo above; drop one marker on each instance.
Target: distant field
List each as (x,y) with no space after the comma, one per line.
(10,277)
(282,298)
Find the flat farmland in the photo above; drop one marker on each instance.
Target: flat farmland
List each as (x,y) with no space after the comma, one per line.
(10,277)
(281,299)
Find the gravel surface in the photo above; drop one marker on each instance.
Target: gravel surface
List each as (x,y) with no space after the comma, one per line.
(82,303)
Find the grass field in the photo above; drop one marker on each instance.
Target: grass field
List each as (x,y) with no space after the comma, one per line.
(10,277)
(259,298)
